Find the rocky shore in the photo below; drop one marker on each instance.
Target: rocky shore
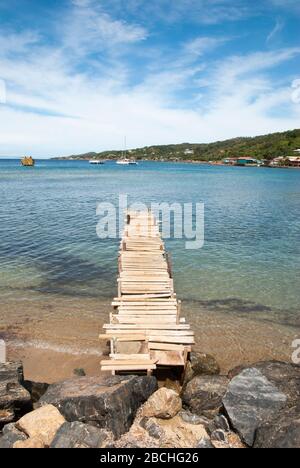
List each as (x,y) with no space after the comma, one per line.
(252,407)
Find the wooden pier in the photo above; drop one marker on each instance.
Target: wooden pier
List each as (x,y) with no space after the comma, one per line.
(146,330)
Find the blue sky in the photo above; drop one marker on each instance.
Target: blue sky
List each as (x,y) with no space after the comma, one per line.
(78,75)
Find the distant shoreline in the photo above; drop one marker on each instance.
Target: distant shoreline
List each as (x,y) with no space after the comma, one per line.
(179,161)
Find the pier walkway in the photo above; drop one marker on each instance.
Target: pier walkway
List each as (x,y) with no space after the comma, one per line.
(146,330)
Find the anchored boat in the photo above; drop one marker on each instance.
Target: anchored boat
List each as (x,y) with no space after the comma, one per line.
(127,162)
(96,162)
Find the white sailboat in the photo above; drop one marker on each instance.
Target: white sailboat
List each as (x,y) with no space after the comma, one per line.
(124,161)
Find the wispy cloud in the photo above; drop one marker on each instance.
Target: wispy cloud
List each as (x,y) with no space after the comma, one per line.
(203,45)
(90,30)
(287,5)
(197,11)
(276,30)
(16,43)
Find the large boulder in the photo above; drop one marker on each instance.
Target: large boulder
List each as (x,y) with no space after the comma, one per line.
(203,395)
(282,432)
(42,424)
(259,395)
(109,403)
(15,400)
(79,435)
(164,404)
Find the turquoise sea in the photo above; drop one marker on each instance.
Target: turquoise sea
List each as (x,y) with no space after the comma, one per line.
(57,278)
(250,262)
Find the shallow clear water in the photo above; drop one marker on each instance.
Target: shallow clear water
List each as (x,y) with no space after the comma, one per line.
(248,265)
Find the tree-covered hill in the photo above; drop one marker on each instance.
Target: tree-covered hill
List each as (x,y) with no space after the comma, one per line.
(261,147)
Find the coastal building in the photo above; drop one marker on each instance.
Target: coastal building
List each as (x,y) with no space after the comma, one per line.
(188,152)
(290,161)
(230,161)
(294,161)
(241,162)
(247,162)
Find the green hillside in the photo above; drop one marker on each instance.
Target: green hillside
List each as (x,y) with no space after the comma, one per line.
(261,147)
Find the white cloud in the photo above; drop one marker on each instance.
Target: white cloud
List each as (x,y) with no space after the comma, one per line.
(60,100)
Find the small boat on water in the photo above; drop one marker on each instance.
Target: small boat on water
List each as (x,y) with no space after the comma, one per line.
(127,162)
(124,160)
(96,162)
(28,161)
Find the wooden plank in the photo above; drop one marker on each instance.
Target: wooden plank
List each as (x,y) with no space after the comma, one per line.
(124,337)
(166,347)
(146,333)
(128,368)
(168,358)
(154,326)
(123,319)
(130,356)
(173,339)
(155,303)
(141,297)
(146,312)
(134,362)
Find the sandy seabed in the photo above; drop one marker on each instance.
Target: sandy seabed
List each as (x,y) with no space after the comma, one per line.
(54,336)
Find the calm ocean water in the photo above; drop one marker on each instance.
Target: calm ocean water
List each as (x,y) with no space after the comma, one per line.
(249,263)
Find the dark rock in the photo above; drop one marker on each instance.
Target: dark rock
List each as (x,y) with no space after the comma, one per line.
(205,444)
(36,389)
(267,412)
(152,427)
(15,400)
(109,403)
(220,422)
(11,435)
(285,376)
(219,436)
(200,364)
(236,371)
(79,435)
(282,432)
(203,395)
(79,372)
(252,399)
(204,364)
